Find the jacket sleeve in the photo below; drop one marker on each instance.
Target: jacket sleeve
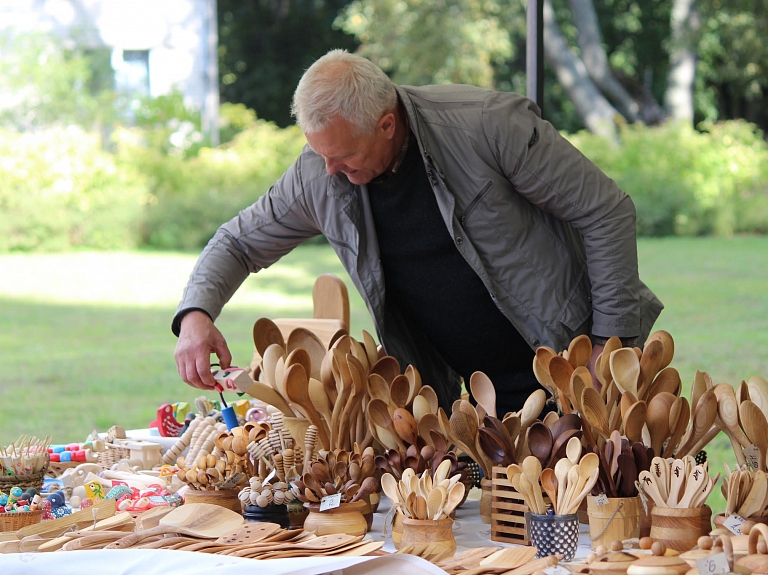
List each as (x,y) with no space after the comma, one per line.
(254,239)
(552,174)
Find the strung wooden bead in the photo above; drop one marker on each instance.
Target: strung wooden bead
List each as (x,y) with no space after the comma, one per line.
(262,501)
(646,543)
(617,545)
(658,548)
(245,495)
(253,497)
(601,550)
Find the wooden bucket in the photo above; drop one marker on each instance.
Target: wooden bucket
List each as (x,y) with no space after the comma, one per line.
(436,534)
(222,497)
(680,529)
(619,519)
(397,529)
(346,518)
(486,500)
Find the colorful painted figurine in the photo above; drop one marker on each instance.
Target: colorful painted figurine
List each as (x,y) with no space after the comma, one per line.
(165,423)
(59,507)
(94,491)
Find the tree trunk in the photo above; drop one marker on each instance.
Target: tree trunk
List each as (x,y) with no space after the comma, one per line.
(594,58)
(678,98)
(595,110)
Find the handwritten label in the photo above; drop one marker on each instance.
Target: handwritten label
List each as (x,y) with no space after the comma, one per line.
(330,502)
(601,500)
(752,455)
(733,524)
(716,564)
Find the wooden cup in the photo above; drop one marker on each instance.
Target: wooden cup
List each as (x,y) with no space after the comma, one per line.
(222,497)
(680,529)
(346,518)
(427,532)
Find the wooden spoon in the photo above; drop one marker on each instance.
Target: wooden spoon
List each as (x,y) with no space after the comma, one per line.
(668,380)
(754,423)
(562,468)
(387,367)
(528,414)
(378,413)
(297,389)
(560,370)
(484,392)
(405,425)
(430,395)
(265,333)
(301,337)
(658,419)
(669,346)
(625,369)
(549,484)
(378,388)
(580,351)
(399,390)
(595,411)
(682,414)
(540,441)
(634,420)
(703,418)
(650,364)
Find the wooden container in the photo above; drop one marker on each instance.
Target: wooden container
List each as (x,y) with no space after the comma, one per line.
(222,497)
(485,499)
(438,534)
(346,518)
(618,520)
(680,529)
(25,481)
(508,510)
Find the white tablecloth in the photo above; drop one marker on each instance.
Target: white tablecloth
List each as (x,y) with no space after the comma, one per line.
(468,529)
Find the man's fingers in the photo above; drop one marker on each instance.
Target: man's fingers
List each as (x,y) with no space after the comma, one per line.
(222,352)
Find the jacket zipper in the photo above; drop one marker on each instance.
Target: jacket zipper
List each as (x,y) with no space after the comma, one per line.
(473,204)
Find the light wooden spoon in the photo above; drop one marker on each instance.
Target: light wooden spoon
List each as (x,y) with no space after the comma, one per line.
(580,351)
(756,427)
(658,419)
(595,411)
(669,346)
(625,369)
(484,392)
(634,420)
(650,364)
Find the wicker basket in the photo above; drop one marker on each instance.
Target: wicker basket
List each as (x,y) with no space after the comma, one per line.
(15,521)
(113,454)
(24,481)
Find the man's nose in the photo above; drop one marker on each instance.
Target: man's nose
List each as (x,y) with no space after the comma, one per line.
(332,166)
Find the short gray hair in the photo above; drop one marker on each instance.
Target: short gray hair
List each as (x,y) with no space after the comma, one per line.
(341,83)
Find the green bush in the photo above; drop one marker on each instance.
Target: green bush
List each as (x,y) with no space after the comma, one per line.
(688,182)
(191,197)
(61,190)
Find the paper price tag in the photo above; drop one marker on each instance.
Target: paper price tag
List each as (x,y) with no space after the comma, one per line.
(733,524)
(713,565)
(557,570)
(601,500)
(752,455)
(330,502)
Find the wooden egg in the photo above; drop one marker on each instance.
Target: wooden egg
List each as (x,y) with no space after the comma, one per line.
(210,460)
(191,476)
(646,543)
(705,542)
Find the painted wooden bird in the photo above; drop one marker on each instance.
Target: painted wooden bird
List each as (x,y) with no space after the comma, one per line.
(166,423)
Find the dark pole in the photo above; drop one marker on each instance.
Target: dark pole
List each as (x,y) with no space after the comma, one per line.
(534,52)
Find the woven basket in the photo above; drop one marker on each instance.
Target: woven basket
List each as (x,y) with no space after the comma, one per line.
(57,468)
(113,454)
(23,481)
(15,521)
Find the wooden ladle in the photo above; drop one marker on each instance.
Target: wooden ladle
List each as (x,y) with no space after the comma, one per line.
(484,392)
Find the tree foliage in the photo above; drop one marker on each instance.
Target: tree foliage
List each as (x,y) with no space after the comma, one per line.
(265,46)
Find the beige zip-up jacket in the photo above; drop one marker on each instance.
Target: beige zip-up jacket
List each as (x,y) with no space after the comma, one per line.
(552,238)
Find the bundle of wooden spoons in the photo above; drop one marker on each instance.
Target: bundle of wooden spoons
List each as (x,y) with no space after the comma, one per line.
(425,496)
(352,475)
(567,485)
(745,492)
(395,463)
(677,483)
(620,466)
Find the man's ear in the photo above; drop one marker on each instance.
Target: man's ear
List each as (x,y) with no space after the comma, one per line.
(387,124)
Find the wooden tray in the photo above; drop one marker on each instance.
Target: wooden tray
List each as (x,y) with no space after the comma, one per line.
(508,510)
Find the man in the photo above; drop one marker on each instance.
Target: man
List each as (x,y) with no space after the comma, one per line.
(474,232)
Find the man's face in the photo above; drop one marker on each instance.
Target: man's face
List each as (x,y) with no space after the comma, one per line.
(361,158)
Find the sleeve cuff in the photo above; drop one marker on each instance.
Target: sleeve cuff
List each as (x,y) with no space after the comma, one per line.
(176,324)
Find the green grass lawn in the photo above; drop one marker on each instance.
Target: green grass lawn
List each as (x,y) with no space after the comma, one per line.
(85,338)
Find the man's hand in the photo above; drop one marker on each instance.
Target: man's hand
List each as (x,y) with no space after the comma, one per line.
(596,351)
(198,339)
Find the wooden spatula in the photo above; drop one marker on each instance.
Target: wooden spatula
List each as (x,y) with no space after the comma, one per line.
(197,519)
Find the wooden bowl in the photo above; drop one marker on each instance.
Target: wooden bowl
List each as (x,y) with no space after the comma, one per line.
(346,518)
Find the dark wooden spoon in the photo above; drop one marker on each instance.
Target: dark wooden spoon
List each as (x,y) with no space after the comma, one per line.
(540,441)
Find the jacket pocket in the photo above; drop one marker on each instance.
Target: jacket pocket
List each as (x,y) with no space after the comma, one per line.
(475,202)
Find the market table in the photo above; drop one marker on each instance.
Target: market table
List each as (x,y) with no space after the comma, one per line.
(469,531)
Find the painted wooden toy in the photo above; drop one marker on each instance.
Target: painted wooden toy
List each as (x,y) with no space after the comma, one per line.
(166,423)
